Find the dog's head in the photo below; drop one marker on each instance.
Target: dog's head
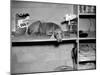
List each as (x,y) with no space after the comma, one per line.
(58,34)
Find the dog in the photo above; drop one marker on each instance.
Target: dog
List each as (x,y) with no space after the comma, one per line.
(45,28)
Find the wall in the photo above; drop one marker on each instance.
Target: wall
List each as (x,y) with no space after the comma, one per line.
(40,58)
(41,11)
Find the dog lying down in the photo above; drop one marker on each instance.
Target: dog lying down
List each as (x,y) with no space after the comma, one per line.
(46,28)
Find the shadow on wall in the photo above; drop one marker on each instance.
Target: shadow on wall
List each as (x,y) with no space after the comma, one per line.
(41,11)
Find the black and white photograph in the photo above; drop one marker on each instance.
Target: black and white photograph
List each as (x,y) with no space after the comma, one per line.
(52,37)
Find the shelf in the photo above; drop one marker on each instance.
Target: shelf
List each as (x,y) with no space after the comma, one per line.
(92,14)
(90,58)
(86,66)
(39,38)
(87,15)
(42,40)
(87,38)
